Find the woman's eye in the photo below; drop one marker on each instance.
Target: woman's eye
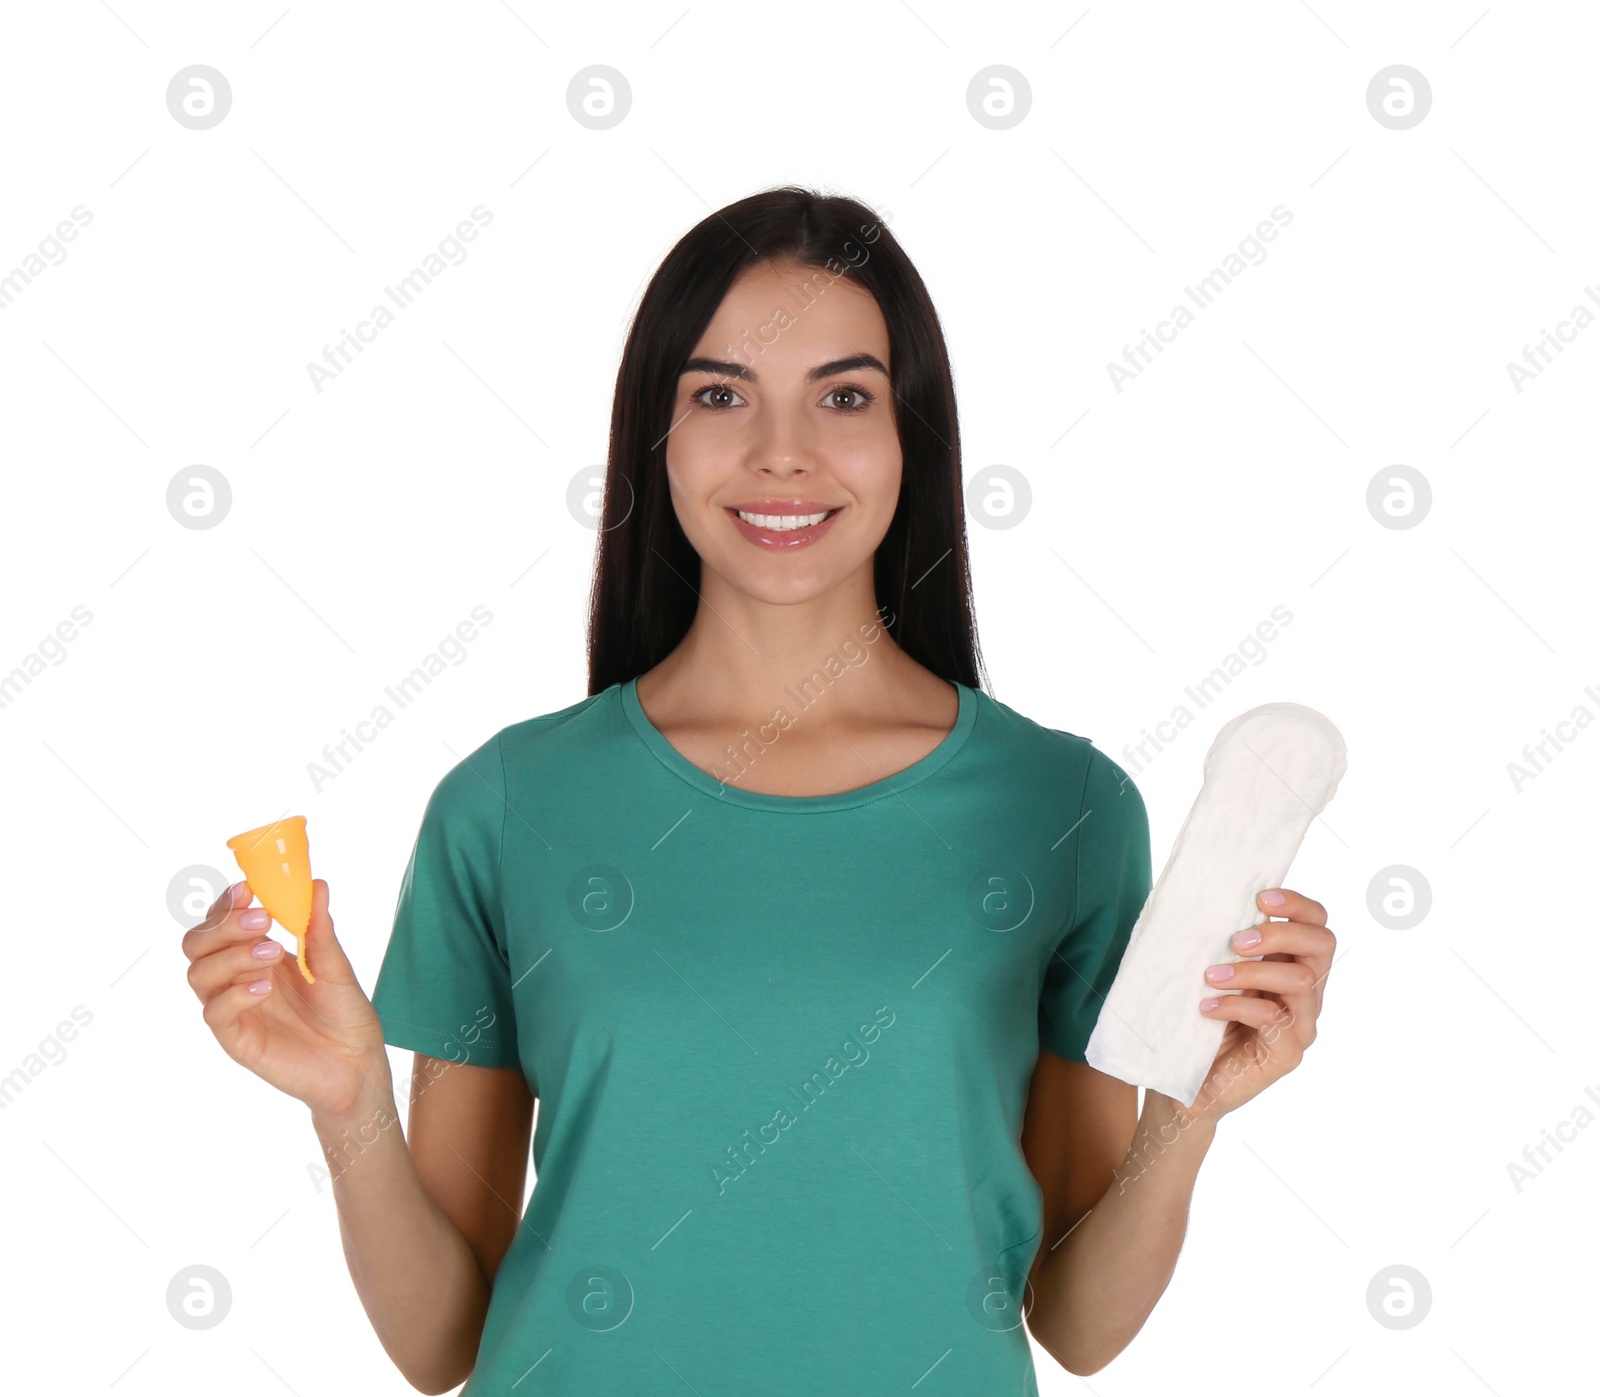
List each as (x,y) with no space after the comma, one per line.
(721,389)
(721,396)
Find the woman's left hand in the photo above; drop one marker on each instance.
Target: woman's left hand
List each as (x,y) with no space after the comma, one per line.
(1274,1020)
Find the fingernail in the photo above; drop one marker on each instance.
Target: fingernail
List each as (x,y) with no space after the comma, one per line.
(255,919)
(266,950)
(1209,1003)
(233,891)
(260,986)
(1273,899)
(1247,938)
(1218,973)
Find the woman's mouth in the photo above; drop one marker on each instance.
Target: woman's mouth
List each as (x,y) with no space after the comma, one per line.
(782,531)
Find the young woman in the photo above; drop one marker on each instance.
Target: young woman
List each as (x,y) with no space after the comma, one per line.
(796,935)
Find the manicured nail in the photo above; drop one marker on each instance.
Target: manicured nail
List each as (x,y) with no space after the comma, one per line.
(255,919)
(1209,1003)
(260,986)
(1273,898)
(1251,937)
(266,950)
(1218,973)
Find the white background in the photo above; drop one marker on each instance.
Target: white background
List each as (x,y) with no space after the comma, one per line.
(1168,520)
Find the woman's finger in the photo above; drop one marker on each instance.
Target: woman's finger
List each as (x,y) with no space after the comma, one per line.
(222,967)
(1274,1024)
(1285,977)
(1253,1010)
(1313,944)
(1290,1014)
(1292,984)
(1295,906)
(220,925)
(221,1011)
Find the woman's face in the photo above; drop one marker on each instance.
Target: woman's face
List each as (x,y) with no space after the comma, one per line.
(785,409)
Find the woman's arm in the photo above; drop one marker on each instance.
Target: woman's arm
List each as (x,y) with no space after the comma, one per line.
(425,1228)
(1110,1244)
(1122,1207)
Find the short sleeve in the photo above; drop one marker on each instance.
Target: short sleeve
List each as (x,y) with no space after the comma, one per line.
(444,986)
(1111,847)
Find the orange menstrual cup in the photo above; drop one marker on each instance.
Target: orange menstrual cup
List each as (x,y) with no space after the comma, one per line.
(277,864)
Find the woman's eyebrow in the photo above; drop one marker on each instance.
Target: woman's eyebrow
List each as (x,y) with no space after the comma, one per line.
(834,366)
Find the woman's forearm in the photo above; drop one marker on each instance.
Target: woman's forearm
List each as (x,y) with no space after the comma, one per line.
(1093,1293)
(419,1282)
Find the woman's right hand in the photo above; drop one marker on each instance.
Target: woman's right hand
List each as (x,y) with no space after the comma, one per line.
(321,1042)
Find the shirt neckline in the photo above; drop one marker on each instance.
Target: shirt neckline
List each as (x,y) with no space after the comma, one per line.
(704,782)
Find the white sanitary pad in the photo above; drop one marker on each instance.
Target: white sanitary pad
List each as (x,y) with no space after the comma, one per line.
(1268,774)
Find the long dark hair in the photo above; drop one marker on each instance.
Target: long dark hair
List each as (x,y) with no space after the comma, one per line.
(646,573)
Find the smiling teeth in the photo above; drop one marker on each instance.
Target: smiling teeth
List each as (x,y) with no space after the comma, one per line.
(782,523)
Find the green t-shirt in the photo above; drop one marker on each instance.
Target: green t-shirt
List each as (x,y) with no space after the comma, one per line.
(781,1044)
